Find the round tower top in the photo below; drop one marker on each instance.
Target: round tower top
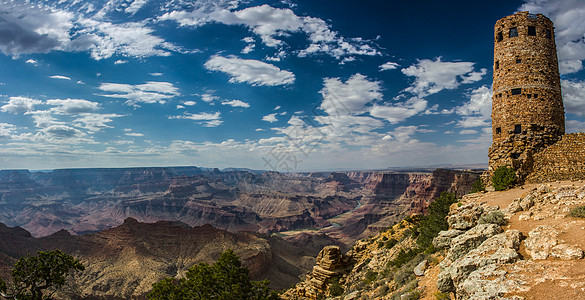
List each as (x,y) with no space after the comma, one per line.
(522,17)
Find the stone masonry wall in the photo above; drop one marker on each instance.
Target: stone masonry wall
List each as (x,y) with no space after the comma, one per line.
(564,160)
(527,107)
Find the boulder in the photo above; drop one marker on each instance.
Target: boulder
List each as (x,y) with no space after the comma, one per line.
(527,202)
(541,241)
(445,283)
(419,270)
(514,207)
(443,239)
(567,252)
(465,217)
(464,243)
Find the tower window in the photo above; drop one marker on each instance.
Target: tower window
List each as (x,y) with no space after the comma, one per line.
(497,65)
(531,30)
(513,32)
(515,155)
(529,96)
(516,91)
(498,130)
(518,129)
(548,33)
(500,37)
(535,95)
(518,60)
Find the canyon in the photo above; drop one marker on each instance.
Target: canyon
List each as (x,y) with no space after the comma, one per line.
(134,226)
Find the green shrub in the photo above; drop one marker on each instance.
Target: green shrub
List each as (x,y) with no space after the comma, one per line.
(225,279)
(435,221)
(335,288)
(391,243)
(578,212)
(504,177)
(442,296)
(477,186)
(371,276)
(493,217)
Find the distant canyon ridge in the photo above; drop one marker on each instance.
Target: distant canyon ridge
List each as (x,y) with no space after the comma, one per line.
(343,205)
(131,227)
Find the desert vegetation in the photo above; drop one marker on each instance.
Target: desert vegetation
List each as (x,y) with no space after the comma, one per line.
(38,277)
(225,279)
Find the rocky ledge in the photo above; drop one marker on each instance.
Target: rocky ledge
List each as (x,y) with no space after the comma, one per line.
(537,253)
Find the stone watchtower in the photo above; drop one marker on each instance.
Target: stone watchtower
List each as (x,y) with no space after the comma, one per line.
(527,107)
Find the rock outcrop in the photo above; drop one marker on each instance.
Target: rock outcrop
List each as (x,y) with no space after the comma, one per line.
(126,260)
(484,261)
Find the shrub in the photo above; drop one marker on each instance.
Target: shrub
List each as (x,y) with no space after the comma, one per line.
(391,243)
(477,186)
(32,275)
(442,296)
(370,277)
(434,221)
(335,288)
(225,279)
(578,212)
(493,217)
(504,177)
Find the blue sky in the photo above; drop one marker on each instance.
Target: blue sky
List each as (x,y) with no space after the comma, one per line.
(282,85)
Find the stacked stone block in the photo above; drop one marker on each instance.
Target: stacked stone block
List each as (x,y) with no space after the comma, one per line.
(527,107)
(564,160)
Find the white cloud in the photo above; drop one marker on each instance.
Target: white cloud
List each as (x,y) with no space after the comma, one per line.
(189,103)
(44,118)
(20,105)
(31,61)
(60,77)
(132,39)
(120,61)
(72,106)
(36,28)
(136,134)
(468,131)
(135,6)
(272,24)
(80,82)
(235,103)
(6,130)
(400,111)
(155,74)
(341,98)
(277,107)
(249,48)
(477,111)
(476,121)
(209,98)
(95,122)
(62,131)
(270,118)
(434,76)
(207,119)
(250,71)
(388,66)
(568,16)
(149,92)
(574,126)
(574,96)
(29,28)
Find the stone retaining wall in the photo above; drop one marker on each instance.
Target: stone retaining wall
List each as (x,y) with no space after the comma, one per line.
(565,160)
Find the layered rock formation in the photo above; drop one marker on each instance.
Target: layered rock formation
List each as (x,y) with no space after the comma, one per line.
(89,200)
(126,260)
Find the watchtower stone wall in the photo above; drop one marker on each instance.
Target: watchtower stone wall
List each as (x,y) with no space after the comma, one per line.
(527,106)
